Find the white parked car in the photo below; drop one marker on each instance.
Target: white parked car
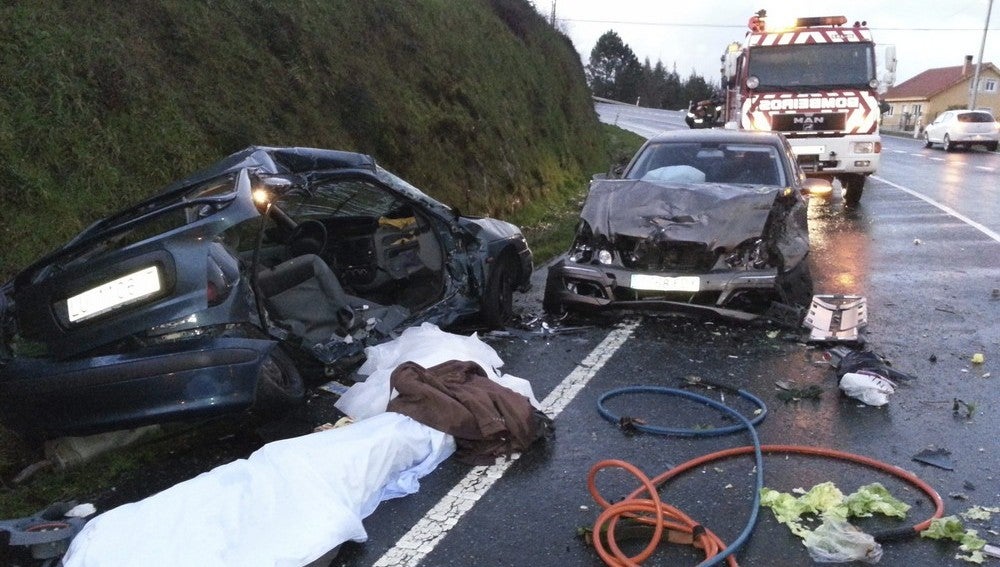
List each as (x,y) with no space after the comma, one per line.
(954,128)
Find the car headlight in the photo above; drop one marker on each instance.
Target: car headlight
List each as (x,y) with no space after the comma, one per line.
(750,254)
(604,256)
(581,253)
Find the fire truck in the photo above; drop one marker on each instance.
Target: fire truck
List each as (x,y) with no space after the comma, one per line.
(817,83)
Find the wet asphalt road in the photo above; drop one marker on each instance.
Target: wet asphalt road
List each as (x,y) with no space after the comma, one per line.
(923,247)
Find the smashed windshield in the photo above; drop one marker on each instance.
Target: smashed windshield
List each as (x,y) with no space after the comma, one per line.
(832,65)
(694,162)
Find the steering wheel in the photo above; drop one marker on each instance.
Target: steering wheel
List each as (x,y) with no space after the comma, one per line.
(309,237)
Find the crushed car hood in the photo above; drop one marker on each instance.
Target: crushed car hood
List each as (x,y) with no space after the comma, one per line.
(715,214)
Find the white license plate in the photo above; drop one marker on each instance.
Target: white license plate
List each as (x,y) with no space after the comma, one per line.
(116,293)
(808,150)
(665,283)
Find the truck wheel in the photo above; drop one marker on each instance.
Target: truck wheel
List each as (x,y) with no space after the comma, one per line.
(854,185)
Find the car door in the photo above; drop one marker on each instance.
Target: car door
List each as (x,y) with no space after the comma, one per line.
(935,130)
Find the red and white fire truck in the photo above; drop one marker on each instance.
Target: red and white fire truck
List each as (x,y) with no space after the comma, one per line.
(818,83)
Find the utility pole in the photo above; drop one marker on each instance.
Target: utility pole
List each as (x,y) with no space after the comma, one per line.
(552,16)
(982,46)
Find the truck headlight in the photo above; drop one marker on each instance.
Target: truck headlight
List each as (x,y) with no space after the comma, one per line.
(864,147)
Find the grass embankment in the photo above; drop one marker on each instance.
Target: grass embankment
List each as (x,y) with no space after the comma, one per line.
(479,103)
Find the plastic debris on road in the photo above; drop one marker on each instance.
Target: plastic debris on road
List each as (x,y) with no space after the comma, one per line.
(837,318)
(871,389)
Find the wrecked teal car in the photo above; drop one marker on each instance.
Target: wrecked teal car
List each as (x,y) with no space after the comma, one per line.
(228,290)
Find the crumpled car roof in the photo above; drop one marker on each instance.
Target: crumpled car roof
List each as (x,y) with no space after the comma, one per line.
(717,215)
(277,161)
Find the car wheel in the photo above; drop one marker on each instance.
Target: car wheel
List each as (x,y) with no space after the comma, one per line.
(854,186)
(992,147)
(279,384)
(795,287)
(948,146)
(498,298)
(927,140)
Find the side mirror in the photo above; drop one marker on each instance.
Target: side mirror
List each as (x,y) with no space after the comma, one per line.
(617,171)
(884,107)
(817,187)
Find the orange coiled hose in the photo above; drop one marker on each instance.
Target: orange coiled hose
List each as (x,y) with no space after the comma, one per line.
(652,511)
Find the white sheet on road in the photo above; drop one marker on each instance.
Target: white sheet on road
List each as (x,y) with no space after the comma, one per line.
(427,345)
(293,500)
(289,503)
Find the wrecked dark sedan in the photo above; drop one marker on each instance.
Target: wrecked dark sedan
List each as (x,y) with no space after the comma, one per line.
(230,289)
(699,221)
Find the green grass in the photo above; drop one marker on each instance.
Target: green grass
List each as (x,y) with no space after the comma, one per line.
(549,224)
(104,104)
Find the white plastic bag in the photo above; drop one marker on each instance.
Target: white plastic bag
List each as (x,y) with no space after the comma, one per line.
(837,541)
(871,389)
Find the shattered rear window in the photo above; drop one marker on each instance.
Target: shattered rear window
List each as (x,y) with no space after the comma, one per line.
(975,117)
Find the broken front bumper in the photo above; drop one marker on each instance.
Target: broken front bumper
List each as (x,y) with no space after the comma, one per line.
(190,379)
(587,287)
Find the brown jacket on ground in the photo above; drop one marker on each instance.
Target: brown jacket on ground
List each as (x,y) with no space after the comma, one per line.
(486,419)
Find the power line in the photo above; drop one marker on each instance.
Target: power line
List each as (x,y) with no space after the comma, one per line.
(737,26)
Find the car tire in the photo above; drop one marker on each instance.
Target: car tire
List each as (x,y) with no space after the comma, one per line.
(795,287)
(948,146)
(854,186)
(498,297)
(279,384)
(992,147)
(927,140)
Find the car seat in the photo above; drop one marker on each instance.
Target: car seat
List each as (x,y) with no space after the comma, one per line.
(304,296)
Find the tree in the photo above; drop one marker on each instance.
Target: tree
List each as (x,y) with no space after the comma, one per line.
(696,88)
(614,71)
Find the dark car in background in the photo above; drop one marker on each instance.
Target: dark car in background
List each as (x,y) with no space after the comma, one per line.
(699,221)
(228,290)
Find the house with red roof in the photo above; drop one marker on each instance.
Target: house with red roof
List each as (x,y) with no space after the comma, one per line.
(916,101)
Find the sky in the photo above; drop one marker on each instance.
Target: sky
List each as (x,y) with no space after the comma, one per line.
(927,33)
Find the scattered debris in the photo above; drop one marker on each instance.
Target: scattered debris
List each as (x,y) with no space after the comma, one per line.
(836,317)
(47,533)
(835,540)
(871,389)
(980,513)
(628,424)
(970,409)
(939,458)
(838,541)
(978,358)
(950,527)
(867,362)
(792,393)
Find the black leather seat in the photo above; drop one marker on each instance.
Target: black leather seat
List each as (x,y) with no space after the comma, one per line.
(304,296)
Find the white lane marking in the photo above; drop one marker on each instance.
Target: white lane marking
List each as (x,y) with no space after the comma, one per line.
(898,151)
(937,159)
(944,208)
(918,155)
(985,168)
(424,536)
